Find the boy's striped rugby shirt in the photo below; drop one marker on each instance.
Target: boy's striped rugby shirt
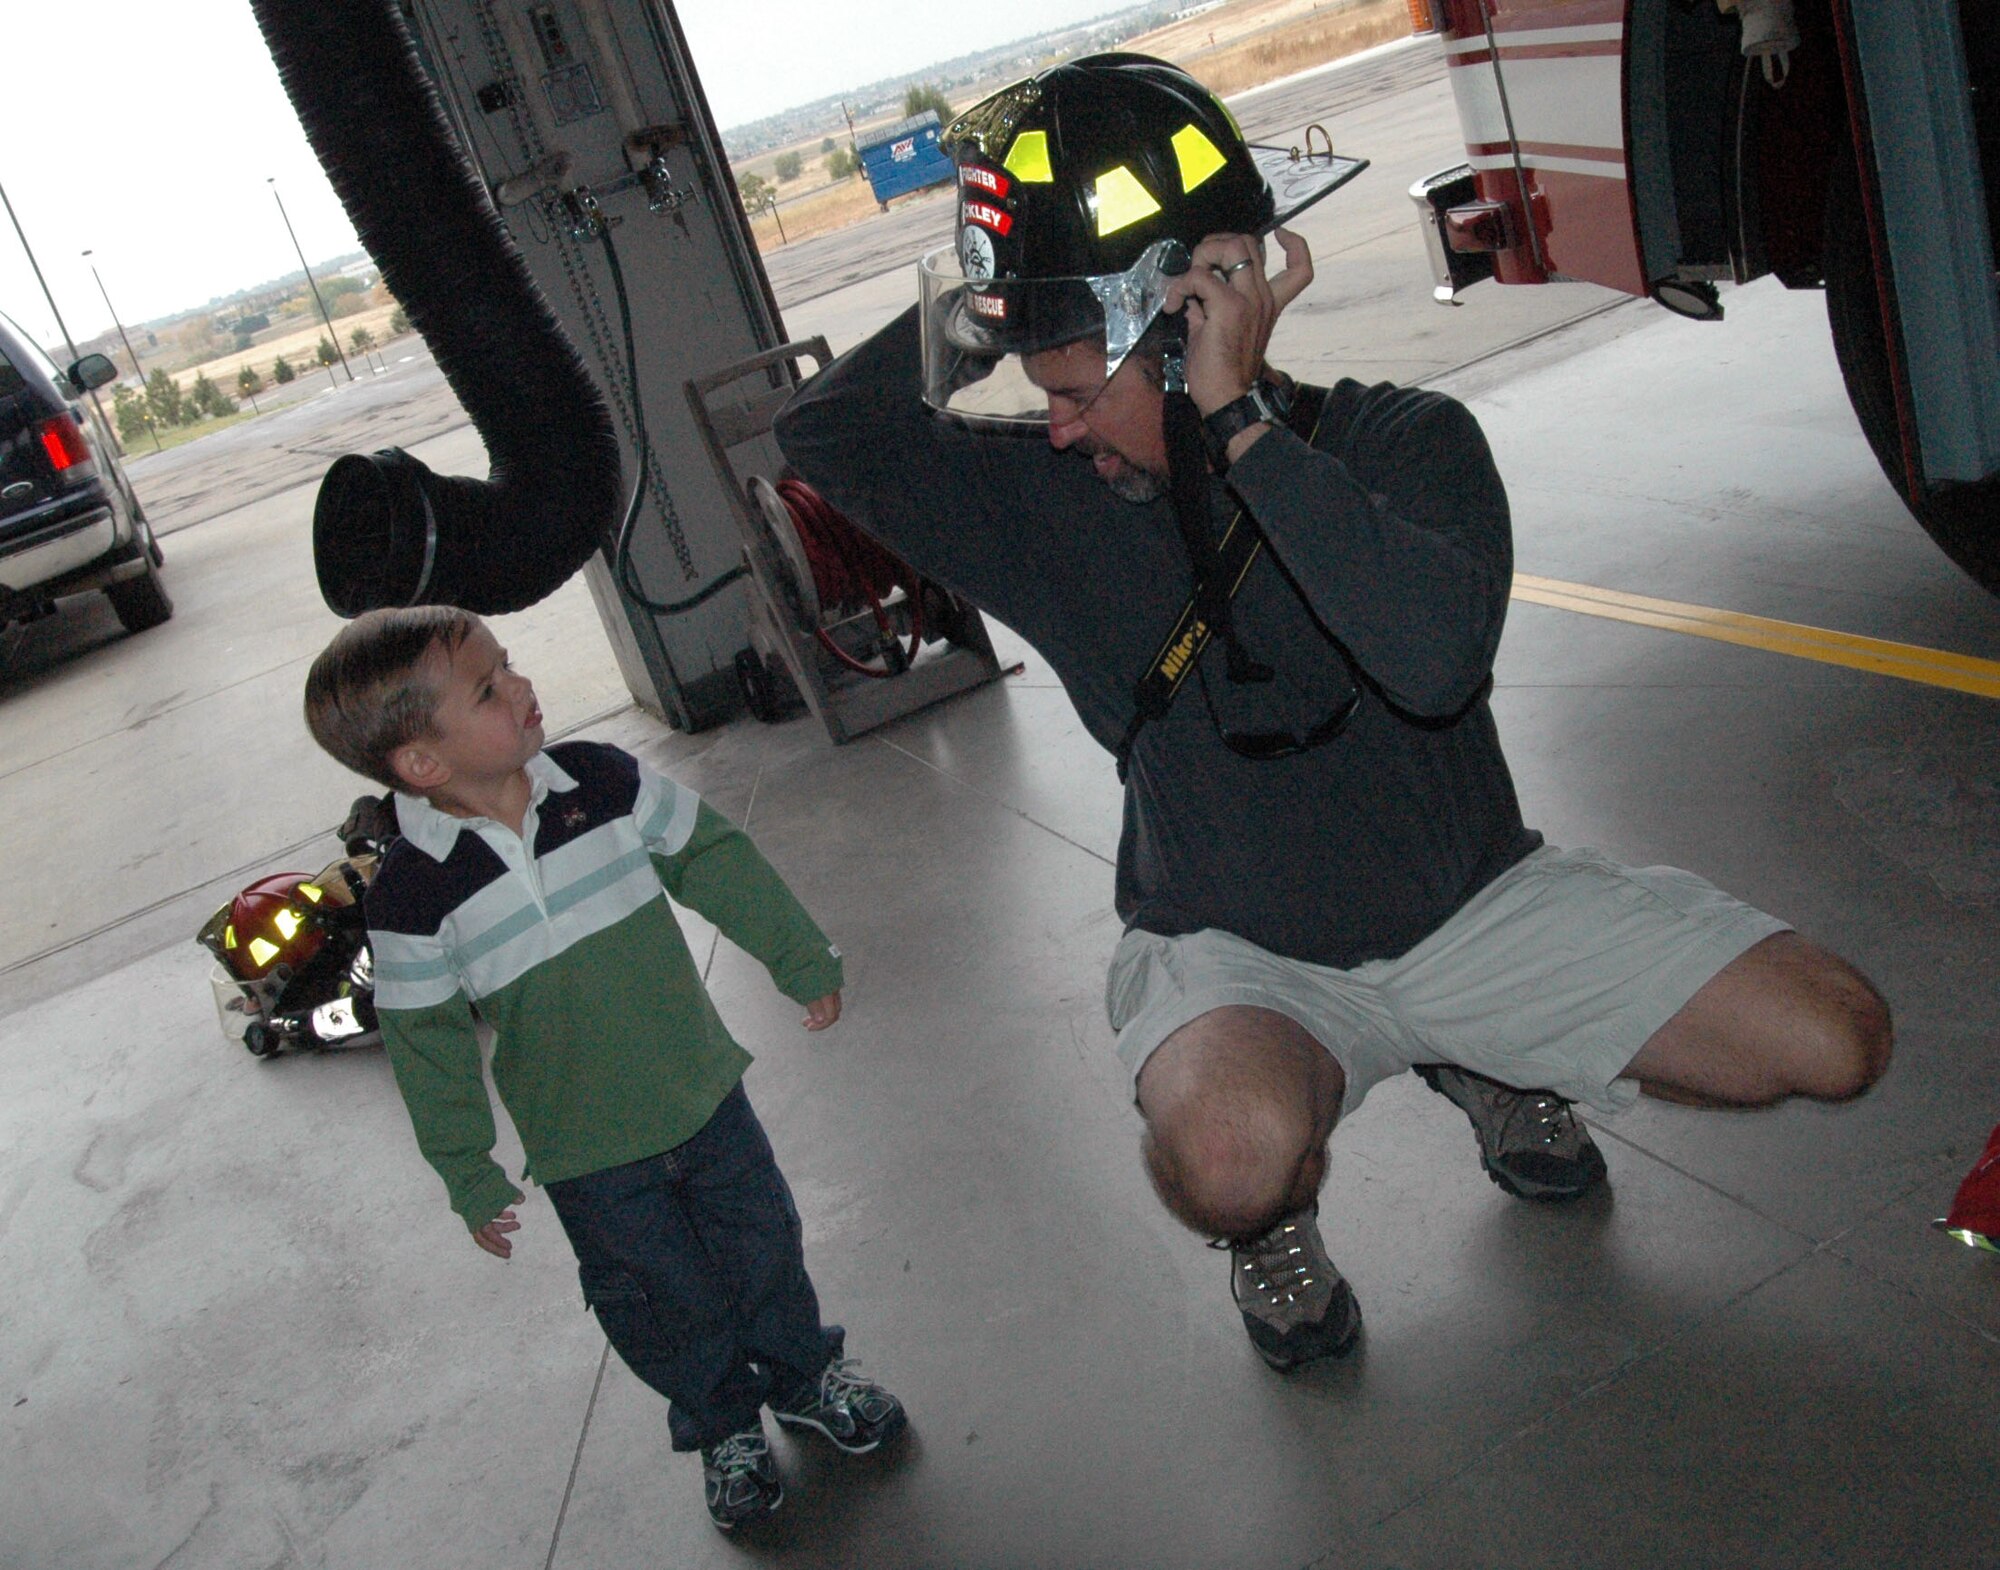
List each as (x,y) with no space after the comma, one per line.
(606,1046)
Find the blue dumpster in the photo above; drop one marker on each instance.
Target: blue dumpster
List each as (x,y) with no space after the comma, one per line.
(904,156)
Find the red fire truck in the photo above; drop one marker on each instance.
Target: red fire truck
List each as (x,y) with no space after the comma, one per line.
(1662,146)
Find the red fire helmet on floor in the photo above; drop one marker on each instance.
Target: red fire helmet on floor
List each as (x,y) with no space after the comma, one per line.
(1975,1211)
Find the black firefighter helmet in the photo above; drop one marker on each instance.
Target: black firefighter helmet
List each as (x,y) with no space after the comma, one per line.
(1080,191)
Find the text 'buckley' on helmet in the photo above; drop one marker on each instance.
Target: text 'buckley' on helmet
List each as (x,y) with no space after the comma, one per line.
(1080,193)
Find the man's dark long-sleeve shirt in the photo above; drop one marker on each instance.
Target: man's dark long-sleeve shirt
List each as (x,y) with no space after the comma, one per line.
(1389,532)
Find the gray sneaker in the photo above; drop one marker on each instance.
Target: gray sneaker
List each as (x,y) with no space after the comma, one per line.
(739,1479)
(1529,1141)
(852,1410)
(1294,1303)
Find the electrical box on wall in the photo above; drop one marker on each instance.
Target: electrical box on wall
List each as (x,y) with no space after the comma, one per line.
(587,123)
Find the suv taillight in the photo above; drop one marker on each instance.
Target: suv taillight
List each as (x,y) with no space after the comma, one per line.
(62,440)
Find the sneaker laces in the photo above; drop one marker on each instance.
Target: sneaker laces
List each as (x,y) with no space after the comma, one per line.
(1539,1119)
(1278,1265)
(738,1455)
(842,1382)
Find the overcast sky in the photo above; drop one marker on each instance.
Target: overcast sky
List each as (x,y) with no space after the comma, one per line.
(147,132)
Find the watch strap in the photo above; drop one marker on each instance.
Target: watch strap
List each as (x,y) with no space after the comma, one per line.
(1265,403)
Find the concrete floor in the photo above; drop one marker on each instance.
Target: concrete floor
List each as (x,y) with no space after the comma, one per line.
(238,1327)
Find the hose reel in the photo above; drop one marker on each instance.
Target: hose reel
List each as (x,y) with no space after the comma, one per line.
(856,600)
(836,619)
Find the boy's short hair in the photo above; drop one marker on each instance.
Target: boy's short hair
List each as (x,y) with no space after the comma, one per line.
(368,694)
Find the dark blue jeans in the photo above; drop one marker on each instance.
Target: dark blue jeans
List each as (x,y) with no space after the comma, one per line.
(692,1261)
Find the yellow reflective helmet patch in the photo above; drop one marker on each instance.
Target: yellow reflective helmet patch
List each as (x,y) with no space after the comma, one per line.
(1028,159)
(1121,201)
(1199,157)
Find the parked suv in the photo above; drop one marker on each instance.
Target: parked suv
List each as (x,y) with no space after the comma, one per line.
(70,522)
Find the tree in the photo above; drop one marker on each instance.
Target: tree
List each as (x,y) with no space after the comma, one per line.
(208,400)
(399,321)
(163,398)
(282,372)
(927,95)
(128,408)
(755,190)
(249,383)
(789,166)
(326,351)
(840,164)
(361,340)
(826,144)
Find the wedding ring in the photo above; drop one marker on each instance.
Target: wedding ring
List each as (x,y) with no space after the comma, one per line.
(1235,267)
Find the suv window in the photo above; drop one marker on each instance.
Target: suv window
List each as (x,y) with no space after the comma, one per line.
(12,377)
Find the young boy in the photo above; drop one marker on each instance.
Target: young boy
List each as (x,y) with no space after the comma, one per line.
(527,889)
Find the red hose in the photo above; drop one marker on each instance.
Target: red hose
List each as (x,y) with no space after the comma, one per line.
(850,570)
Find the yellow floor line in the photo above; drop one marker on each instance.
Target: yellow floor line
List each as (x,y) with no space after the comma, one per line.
(1961,672)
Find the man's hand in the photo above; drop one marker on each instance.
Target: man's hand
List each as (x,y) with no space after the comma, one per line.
(822,1012)
(1232,308)
(493,1236)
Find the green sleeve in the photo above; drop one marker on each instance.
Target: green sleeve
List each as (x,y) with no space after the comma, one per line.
(720,874)
(435,1054)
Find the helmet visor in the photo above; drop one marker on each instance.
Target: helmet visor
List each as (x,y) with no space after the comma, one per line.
(977,330)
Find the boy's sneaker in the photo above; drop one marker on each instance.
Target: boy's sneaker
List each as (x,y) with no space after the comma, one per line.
(1529,1141)
(854,1412)
(740,1480)
(1294,1303)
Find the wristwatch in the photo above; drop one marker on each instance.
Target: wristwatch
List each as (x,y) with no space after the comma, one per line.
(1265,403)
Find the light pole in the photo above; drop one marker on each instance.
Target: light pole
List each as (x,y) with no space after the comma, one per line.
(272,182)
(138,370)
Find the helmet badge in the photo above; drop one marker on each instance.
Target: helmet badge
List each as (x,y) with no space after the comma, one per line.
(975,252)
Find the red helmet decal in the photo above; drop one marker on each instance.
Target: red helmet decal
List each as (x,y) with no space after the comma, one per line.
(991,181)
(991,217)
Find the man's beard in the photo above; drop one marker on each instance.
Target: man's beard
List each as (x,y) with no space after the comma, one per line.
(1132,483)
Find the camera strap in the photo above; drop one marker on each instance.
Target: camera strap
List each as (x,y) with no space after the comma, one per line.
(1153,694)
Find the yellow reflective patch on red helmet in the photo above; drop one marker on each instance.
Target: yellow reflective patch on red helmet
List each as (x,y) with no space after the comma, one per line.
(1122,201)
(263,951)
(1199,157)
(1028,159)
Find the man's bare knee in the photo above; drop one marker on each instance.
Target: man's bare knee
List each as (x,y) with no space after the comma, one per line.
(1786,1018)
(1854,1038)
(1234,1174)
(1238,1106)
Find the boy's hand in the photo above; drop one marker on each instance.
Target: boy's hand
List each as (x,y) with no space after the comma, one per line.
(822,1012)
(493,1236)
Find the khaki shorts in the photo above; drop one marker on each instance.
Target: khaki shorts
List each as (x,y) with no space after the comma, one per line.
(1551,978)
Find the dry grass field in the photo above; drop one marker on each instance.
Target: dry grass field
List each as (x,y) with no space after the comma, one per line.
(300,346)
(1264,40)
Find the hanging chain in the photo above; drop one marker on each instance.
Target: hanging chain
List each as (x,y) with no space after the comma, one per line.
(580,280)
